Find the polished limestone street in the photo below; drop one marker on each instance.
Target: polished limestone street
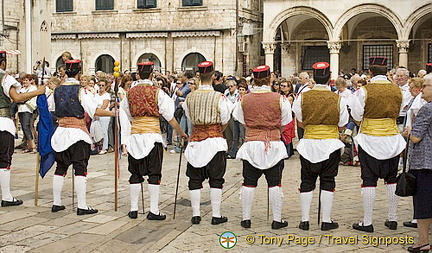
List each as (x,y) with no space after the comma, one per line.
(36,229)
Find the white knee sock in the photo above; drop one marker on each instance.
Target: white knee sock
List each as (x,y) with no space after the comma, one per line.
(5,184)
(326,203)
(247,195)
(305,202)
(154,198)
(135,190)
(216,199)
(276,195)
(195,196)
(81,190)
(368,204)
(58,182)
(393,200)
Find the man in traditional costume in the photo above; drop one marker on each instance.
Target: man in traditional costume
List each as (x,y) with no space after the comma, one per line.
(209,111)
(71,140)
(9,90)
(377,106)
(264,114)
(320,112)
(140,130)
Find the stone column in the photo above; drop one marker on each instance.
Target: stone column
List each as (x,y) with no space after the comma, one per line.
(269,48)
(334,47)
(403,46)
(286,68)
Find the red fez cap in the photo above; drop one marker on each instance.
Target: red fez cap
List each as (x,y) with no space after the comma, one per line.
(261,71)
(321,69)
(146,66)
(73,64)
(378,60)
(429,68)
(2,54)
(205,67)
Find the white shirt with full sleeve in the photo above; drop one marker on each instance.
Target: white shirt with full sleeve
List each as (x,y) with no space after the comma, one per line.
(140,145)
(7,124)
(200,153)
(315,150)
(379,147)
(64,137)
(254,151)
(414,109)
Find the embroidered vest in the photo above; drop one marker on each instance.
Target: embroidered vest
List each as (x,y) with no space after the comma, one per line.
(143,106)
(4,100)
(320,112)
(262,115)
(382,105)
(203,107)
(67,102)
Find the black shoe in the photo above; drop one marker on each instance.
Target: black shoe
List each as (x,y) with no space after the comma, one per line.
(410,224)
(152,216)
(418,249)
(89,210)
(216,220)
(325,226)
(304,225)
(133,214)
(369,228)
(392,225)
(14,202)
(277,224)
(196,220)
(245,223)
(55,208)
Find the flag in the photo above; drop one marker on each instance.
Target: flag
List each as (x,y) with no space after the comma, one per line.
(46,131)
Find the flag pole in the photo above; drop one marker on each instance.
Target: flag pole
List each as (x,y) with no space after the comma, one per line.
(116,132)
(38,158)
(37,179)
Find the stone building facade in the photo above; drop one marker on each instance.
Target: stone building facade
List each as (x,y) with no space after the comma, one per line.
(298,33)
(176,35)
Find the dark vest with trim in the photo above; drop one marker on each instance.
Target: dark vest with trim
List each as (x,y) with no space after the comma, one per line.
(67,103)
(4,100)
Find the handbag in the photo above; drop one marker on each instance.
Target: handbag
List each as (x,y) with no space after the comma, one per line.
(406,182)
(96,132)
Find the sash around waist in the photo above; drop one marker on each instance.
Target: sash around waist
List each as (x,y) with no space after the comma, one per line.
(145,125)
(379,127)
(202,132)
(321,132)
(73,122)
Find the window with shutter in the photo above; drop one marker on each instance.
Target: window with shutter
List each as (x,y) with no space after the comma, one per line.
(64,5)
(104,4)
(142,4)
(192,2)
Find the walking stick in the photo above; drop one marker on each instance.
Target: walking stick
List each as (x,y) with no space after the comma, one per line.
(319,206)
(37,180)
(116,145)
(178,178)
(142,198)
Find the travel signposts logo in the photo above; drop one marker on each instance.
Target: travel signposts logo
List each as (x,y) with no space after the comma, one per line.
(228,240)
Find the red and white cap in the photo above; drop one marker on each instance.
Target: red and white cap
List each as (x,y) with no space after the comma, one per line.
(261,71)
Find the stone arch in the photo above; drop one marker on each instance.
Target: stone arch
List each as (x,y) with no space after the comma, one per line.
(411,22)
(148,50)
(367,8)
(271,32)
(90,65)
(193,50)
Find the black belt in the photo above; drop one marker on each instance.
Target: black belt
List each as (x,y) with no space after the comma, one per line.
(5,112)
(400,120)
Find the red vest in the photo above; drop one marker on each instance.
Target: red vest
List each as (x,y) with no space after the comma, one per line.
(262,115)
(143,101)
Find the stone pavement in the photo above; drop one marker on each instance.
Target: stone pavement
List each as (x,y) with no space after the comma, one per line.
(30,228)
